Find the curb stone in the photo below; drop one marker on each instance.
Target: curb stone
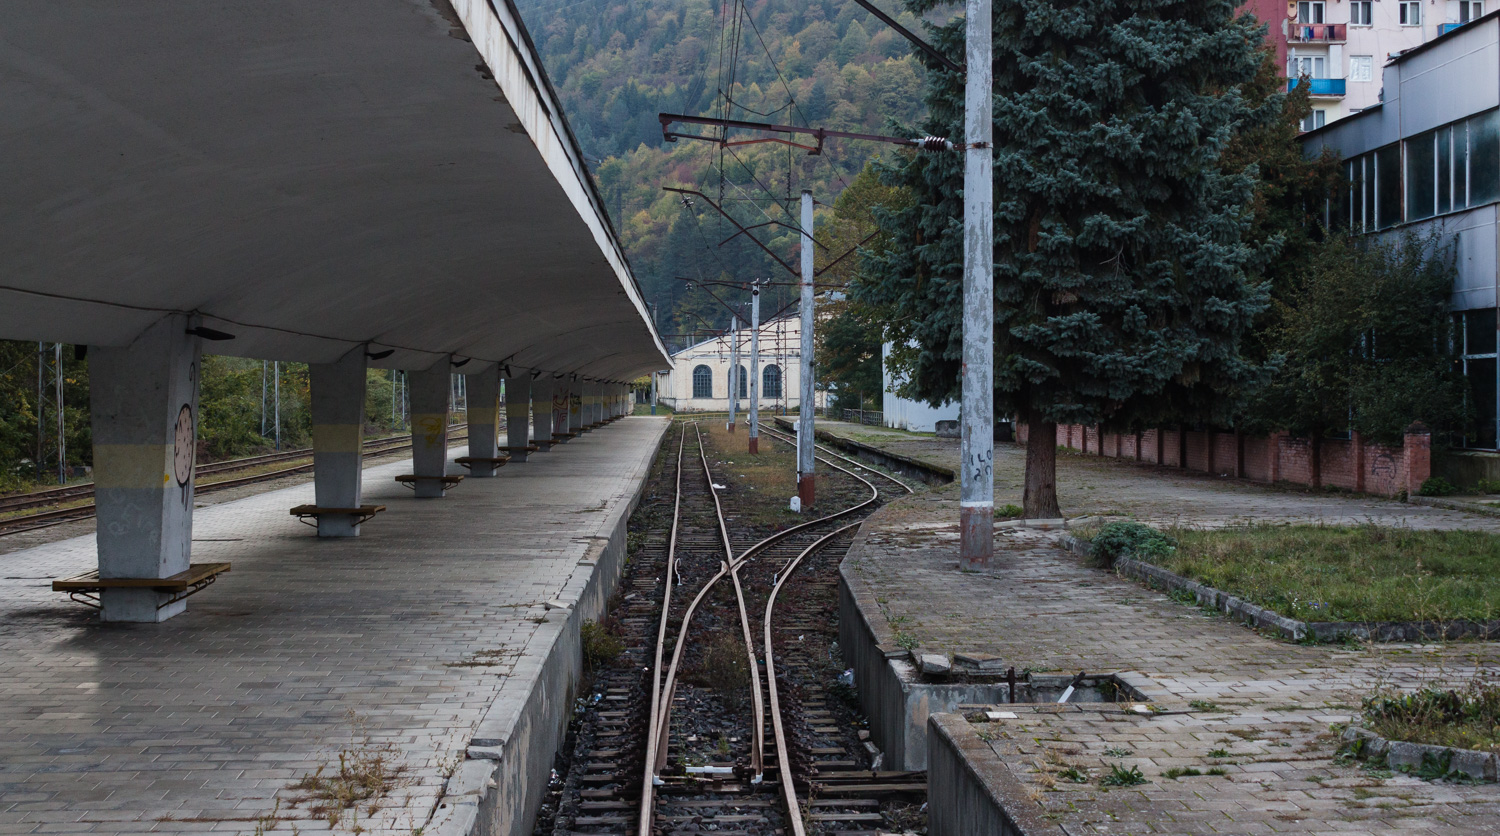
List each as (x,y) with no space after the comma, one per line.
(1400,754)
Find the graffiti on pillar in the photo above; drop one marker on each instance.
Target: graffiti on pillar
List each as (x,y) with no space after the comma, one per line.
(432,429)
(183,449)
(560,411)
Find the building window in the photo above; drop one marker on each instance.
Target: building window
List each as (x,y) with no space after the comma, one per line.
(1315,120)
(1474,332)
(1484,158)
(1310,11)
(1387,186)
(1312,66)
(770,382)
(1411,13)
(1421,176)
(1360,13)
(1469,10)
(1362,68)
(703,382)
(742,383)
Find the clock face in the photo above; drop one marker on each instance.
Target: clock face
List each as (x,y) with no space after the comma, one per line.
(183,446)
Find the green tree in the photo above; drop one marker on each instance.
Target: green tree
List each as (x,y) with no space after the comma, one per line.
(1364,337)
(1121,288)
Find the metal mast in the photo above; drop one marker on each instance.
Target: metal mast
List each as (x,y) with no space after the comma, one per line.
(977,491)
(805,485)
(754,370)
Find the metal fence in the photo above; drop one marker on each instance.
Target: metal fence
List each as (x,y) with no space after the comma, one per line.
(865,416)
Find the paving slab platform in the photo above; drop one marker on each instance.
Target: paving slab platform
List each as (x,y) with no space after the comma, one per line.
(429,641)
(1264,704)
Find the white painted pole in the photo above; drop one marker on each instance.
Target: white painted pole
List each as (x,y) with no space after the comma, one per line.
(977,488)
(805,484)
(734,370)
(276,394)
(754,370)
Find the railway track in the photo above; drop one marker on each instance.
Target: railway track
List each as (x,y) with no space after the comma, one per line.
(660,747)
(50,497)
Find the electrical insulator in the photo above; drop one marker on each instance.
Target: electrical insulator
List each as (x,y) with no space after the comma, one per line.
(934,143)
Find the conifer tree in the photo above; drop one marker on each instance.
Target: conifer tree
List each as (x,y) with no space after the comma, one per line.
(1122,270)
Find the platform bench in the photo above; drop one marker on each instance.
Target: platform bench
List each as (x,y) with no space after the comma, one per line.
(529,448)
(469,461)
(363,513)
(410,479)
(85,588)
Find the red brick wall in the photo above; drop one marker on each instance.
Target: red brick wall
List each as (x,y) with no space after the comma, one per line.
(1372,468)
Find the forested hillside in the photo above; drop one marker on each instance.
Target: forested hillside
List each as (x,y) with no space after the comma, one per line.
(823,63)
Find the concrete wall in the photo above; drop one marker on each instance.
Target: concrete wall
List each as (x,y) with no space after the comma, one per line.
(1353,465)
(970,791)
(499,790)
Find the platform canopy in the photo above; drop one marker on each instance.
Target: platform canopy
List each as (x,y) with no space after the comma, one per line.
(306,175)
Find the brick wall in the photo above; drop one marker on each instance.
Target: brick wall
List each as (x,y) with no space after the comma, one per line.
(1352,465)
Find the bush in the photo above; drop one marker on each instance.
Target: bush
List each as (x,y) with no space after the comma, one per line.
(1466,718)
(1130,539)
(600,647)
(1437,486)
(1489,485)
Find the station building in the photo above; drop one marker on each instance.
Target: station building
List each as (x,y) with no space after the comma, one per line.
(698,380)
(1426,159)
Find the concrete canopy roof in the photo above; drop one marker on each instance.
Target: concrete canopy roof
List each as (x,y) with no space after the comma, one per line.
(307,176)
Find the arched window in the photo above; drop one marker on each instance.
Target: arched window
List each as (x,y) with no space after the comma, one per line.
(744,382)
(703,382)
(770,382)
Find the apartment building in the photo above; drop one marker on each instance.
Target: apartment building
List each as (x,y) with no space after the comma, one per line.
(1340,46)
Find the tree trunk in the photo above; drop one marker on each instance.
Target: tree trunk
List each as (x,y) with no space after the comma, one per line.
(1040,496)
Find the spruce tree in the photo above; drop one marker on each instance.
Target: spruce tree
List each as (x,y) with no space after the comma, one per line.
(1122,272)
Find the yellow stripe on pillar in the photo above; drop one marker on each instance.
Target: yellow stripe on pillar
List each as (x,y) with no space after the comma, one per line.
(337,438)
(483,415)
(132,465)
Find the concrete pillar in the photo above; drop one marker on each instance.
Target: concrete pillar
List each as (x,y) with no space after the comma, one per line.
(338,430)
(429,393)
(562,407)
(517,415)
(575,405)
(484,420)
(144,406)
(541,412)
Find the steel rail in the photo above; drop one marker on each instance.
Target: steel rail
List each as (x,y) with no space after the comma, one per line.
(648,784)
(787,438)
(662,728)
(46,519)
(784,763)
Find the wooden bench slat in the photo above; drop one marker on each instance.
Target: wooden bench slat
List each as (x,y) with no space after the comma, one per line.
(447,480)
(175,583)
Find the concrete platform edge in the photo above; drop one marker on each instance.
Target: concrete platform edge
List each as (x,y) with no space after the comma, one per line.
(498,791)
(970,791)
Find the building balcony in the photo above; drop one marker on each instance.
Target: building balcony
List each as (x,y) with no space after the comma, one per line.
(1445,28)
(1316,33)
(1321,87)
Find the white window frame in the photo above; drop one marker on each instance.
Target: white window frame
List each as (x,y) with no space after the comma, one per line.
(1365,19)
(1366,61)
(1317,118)
(1410,13)
(1315,12)
(1470,10)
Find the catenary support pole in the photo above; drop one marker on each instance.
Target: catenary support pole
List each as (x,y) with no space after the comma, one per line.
(430,392)
(338,431)
(276,398)
(517,415)
(734,371)
(143,401)
(482,396)
(754,420)
(808,403)
(977,488)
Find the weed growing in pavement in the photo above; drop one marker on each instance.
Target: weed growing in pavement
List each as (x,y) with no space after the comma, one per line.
(1218,771)
(1073,774)
(1180,772)
(1119,777)
(1009,512)
(367,772)
(1218,753)
(1117,752)
(1204,705)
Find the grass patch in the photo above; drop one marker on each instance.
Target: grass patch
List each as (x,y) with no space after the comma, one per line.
(1181,772)
(1466,718)
(1344,573)
(1117,752)
(600,647)
(1009,512)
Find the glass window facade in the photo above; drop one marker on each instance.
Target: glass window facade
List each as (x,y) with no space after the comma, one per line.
(1474,335)
(1449,169)
(770,385)
(703,382)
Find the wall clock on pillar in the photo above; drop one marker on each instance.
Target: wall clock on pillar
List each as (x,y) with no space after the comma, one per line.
(183,446)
